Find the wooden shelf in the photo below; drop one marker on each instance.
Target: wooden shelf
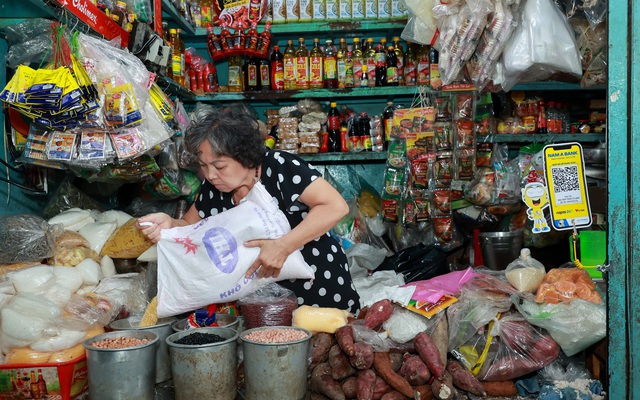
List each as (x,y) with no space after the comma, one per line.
(274,96)
(552,85)
(169,11)
(365,156)
(544,138)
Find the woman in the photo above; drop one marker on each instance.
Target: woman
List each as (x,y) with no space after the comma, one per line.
(232,157)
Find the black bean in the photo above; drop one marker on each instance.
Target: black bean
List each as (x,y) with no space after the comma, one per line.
(198,338)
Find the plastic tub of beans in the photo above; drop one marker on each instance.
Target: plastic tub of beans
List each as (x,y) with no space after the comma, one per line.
(122,365)
(275,362)
(204,362)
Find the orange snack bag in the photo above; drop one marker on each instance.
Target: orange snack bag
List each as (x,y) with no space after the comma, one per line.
(566,284)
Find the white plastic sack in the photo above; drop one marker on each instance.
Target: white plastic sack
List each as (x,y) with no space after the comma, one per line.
(33,279)
(91,272)
(69,277)
(205,263)
(70,217)
(98,233)
(117,216)
(65,339)
(542,44)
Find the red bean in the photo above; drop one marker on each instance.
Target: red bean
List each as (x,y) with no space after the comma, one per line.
(121,342)
(276,335)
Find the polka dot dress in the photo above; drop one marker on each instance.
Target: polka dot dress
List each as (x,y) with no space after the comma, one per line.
(285,177)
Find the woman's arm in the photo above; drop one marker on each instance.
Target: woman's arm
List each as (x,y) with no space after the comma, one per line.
(160,221)
(326,208)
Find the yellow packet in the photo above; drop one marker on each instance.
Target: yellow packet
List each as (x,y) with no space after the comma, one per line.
(114,107)
(428,309)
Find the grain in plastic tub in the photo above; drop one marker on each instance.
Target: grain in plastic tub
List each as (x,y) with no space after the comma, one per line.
(275,362)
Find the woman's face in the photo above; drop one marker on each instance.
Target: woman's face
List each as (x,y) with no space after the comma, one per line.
(223,172)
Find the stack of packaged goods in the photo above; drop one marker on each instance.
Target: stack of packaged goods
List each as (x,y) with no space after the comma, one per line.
(288,134)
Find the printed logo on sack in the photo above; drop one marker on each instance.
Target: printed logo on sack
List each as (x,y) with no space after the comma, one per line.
(222,248)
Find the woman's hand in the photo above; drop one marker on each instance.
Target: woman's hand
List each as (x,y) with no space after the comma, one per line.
(151,224)
(270,260)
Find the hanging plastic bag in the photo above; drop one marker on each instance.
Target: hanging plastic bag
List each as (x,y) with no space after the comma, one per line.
(542,44)
(205,263)
(421,25)
(26,238)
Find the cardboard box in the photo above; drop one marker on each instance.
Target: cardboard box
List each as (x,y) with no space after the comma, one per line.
(279,9)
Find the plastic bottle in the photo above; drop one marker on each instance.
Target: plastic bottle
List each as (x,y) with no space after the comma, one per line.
(566,119)
(525,273)
(235,73)
(365,131)
(434,69)
(542,117)
(119,14)
(183,63)
(333,117)
(392,67)
(357,62)
(381,66)
(176,57)
(302,65)
(397,47)
(422,73)
(340,57)
(409,66)
(252,42)
(370,57)
(254,10)
(316,61)
(225,40)
(265,40)
(213,42)
(330,80)
(289,66)
(277,69)
(551,117)
(348,64)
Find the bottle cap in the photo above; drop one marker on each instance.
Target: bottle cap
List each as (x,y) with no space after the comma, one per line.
(334,104)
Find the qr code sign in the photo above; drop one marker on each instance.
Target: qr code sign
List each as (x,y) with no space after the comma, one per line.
(565,179)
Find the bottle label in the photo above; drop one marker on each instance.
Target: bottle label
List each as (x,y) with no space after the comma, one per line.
(264,76)
(289,70)
(302,72)
(333,122)
(315,78)
(277,69)
(410,73)
(330,68)
(392,75)
(388,124)
(252,75)
(357,71)
(371,68)
(234,76)
(176,65)
(381,59)
(434,77)
(342,73)
(423,73)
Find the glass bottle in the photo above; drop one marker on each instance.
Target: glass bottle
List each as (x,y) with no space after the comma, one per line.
(289,66)
(316,61)
(277,69)
(392,67)
(42,385)
(333,127)
(357,62)
(397,47)
(365,131)
(330,80)
(364,80)
(422,75)
(409,66)
(183,64)
(302,65)
(348,64)
(340,57)
(387,120)
(235,73)
(35,393)
(370,57)
(381,66)
(264,73)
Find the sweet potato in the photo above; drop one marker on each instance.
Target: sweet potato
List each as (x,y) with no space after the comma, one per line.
(463,379)
(382,364)
(429,354)
(320,344)
(322,382)
(500,388)
(339,362)
(344,337)
(440,337)
(443,388)
(393,395)
(423,392)
(350,387)
(414,370)
(396,361)
(380,388)
(366,384)
(363,356)
(379,312)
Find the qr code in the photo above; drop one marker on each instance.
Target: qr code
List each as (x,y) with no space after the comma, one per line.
(565,179)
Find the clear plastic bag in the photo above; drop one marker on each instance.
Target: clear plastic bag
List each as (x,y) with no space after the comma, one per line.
(271,305)
(36,50)
(543,43)
(575,325)
(421,25)
(525,273)
(26,238)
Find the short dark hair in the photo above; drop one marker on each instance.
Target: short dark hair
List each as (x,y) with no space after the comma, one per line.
(230,132)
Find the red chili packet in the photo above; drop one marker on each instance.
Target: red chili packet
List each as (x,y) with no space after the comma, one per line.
(428,309)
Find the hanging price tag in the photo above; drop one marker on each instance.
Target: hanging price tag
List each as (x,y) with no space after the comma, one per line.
(567,186)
